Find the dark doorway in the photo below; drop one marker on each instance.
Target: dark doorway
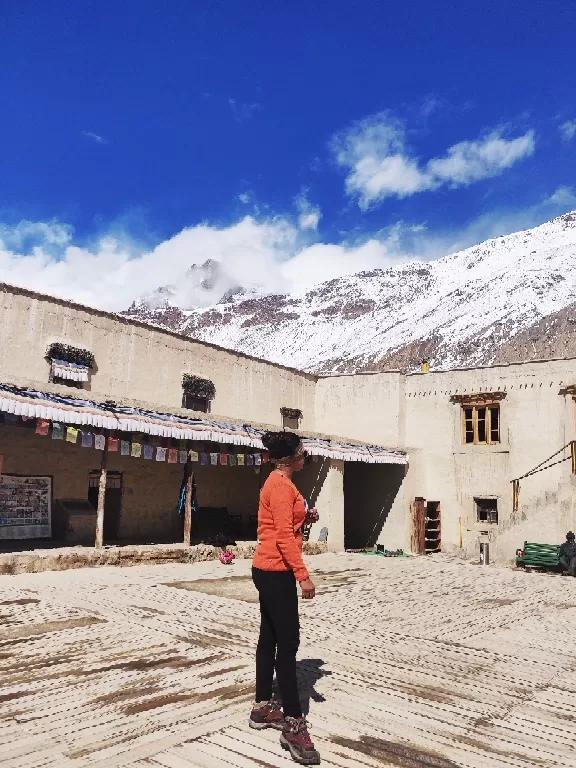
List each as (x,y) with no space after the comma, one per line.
(112,501)
(432,527)
(369,493)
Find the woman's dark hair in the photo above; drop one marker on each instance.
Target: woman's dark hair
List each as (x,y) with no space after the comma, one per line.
(281,445)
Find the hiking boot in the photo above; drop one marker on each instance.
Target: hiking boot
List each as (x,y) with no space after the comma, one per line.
(296,739)
(267,715)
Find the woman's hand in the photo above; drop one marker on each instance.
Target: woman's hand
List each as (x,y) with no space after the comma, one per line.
(312,516)
(308,589)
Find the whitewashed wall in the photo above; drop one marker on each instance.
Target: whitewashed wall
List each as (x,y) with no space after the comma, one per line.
(142,363)
(536,421)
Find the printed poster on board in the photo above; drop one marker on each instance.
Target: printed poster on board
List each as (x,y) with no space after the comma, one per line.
(25,507)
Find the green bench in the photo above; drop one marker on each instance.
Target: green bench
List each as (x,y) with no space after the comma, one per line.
(538,556)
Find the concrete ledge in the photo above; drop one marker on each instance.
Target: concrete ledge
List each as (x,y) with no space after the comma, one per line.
(67,558)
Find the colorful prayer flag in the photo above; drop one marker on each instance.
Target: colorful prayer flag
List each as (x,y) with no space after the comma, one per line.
(223,459)
(232,459)
(148,451)
(265,458)
(240,459)
(125,448)
(183,457)
(204,458)
(113,444)
(249,459)
(136,450)
(213,458)
(173,456)
(99,442)
(71,435)
(42,427)
(160,453)
(86,440)
(57,431)
(194,455)
(257,459)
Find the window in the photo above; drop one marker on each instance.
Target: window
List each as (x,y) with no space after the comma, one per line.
(291,417)
(486,511)
(67,382)
(481,424)
(194,403)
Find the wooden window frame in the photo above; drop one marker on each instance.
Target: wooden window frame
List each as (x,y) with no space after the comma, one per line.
(490,513)
(475,407)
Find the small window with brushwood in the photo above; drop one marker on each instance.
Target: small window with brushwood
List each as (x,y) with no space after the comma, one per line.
(197,393)
(481,424)
(291,417)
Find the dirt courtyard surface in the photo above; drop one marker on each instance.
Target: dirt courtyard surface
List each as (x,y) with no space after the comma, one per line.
(412,663)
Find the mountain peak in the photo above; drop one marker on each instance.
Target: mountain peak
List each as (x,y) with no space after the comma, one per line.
(463,309)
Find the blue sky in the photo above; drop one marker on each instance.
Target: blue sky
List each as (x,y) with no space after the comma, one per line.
(411,126)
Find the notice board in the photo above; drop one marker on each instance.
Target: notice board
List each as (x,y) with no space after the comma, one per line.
(25,507)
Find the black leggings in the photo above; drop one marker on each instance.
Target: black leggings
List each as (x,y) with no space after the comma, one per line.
(279,638)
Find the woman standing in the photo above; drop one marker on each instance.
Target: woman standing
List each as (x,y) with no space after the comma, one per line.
(277,566)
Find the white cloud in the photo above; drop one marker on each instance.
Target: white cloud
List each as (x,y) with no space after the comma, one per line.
(30,233)
(568,130)
(244,197)
(267,254)
(563,197)
(310,215)
(94,137)
(243,112)
(379,163)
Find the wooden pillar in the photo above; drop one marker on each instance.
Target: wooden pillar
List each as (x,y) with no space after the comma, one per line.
(188,504)
(101,496)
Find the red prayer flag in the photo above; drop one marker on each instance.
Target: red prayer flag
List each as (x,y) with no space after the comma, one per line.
(42,427)
(112,444)
(172,456)
(224,459)
(265,458)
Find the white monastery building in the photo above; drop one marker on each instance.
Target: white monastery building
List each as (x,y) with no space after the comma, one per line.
(417,462)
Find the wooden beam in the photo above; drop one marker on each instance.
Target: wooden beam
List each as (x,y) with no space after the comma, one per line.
(478,398)
(188,504)
(102,496)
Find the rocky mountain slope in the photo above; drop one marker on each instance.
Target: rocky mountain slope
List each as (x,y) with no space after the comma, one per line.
(509,298)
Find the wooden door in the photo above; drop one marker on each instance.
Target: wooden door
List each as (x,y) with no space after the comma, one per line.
(418,538)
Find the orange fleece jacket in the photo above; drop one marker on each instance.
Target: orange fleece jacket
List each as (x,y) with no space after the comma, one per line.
(281,514)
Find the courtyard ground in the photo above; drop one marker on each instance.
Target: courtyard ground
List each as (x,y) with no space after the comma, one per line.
(417,663)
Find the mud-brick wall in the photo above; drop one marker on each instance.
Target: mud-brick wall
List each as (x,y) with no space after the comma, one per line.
(150,489)
(143,363)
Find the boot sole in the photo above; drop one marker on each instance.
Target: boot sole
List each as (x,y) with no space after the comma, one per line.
(312,760)
(264,726)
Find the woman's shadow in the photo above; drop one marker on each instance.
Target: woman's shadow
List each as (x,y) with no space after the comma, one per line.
(309,671)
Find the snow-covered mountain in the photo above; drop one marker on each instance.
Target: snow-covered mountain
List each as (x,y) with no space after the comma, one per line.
(484,304)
